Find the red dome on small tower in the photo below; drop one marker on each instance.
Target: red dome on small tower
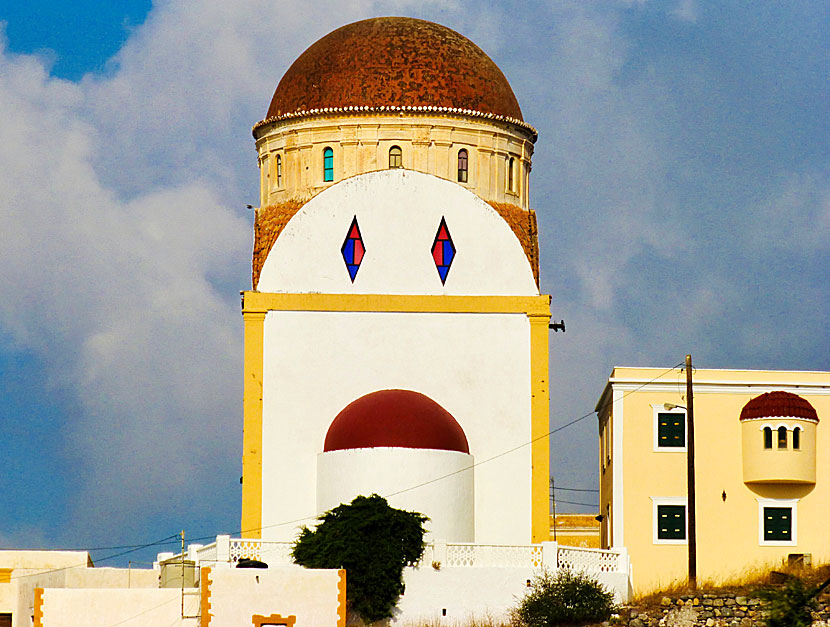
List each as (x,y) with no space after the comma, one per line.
(395,418)
(779,404)
(398,62)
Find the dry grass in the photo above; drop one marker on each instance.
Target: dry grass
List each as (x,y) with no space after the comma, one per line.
(742,582)
(485,621)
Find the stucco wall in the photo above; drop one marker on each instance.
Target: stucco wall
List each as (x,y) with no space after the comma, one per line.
(398,213)
(727,528)
(345,474)
(361,144)
(314,597)
(130,608)
(476,366)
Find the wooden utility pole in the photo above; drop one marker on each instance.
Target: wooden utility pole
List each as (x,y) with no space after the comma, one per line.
(690,475)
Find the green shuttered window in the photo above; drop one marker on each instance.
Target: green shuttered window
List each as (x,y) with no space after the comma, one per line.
(671,430)
(778,523)
(671,522)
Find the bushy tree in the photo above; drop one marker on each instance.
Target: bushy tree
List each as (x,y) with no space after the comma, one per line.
(566,598)
(373,542)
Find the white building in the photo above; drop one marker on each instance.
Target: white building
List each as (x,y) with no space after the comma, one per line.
(395,336)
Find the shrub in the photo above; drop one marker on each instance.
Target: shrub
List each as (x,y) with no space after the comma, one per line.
(789,605)
(566,598)
(373,542)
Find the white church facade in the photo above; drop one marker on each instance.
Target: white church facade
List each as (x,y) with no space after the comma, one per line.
(395,340)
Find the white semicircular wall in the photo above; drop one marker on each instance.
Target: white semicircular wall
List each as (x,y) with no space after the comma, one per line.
(398,213)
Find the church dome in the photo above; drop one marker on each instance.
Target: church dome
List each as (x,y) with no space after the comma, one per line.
(779,404)
(394,62)
(395,418)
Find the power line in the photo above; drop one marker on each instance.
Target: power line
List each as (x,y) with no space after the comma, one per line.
(103,559)
(575,503)
(576,489)
(420,485)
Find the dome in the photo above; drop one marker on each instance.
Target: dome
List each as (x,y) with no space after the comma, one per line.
(395,418)
(394,62)
(779,404)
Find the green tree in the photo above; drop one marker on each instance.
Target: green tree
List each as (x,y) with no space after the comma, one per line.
(373,542)
(566,598)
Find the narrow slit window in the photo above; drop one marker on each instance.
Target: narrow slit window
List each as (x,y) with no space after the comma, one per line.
(462,165)
(782,437)
(511,179)
(395,157)
(279,171)
(328,165)
(797,438)
(767,437)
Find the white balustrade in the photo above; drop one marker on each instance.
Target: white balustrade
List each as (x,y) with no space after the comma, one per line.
(472,555)
(272,553)
(464,555)
(590,560)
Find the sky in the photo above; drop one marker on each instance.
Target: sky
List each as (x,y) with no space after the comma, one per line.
(681,179)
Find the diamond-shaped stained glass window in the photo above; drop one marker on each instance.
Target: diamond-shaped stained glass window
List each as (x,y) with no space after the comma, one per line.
(353,249)
(443,251)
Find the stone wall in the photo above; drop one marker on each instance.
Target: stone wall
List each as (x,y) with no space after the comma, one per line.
(709,610)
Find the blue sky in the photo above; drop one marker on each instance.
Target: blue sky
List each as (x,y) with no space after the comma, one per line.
(681,178)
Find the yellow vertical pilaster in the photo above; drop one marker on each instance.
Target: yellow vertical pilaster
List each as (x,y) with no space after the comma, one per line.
(539,427)
(252,425)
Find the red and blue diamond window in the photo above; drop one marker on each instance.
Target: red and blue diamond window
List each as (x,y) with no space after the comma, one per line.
(443,251)
(353,249)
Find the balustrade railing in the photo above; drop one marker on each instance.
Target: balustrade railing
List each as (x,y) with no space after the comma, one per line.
(549,555)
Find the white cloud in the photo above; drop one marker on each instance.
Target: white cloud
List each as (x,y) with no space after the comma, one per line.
(124,240)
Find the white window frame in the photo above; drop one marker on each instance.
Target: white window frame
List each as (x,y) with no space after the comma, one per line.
(661,409)
(793,505)
(668,500)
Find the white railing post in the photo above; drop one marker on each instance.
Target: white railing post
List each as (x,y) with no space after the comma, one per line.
(550,556)
(439,551)
(623,562)
(223,549)
(193,553)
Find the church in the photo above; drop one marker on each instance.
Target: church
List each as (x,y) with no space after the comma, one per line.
(396,341)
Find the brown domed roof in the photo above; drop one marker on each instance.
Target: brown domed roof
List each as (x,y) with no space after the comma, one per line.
(778,404)
(398,62)
(395,418)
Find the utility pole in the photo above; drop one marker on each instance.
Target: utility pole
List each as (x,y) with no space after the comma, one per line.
(690,475)
(182,565)
(553,506)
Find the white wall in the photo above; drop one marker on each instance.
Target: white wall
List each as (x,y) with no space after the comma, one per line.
(236,595)
(476,366)
(399,212)
(345,474)
(464,592)
(135,607)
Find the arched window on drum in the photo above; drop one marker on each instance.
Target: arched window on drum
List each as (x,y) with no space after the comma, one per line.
(462,165)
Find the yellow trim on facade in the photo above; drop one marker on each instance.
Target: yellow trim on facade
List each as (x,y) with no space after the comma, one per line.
(341,598)
(37,613)
(252,426)
(262,302)
(205,597)
(539,427)
(256,304)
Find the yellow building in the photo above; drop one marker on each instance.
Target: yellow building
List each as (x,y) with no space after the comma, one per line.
(762,483)
(580,530)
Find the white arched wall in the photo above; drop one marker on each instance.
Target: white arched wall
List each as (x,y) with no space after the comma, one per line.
(398,212)
(450,503)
